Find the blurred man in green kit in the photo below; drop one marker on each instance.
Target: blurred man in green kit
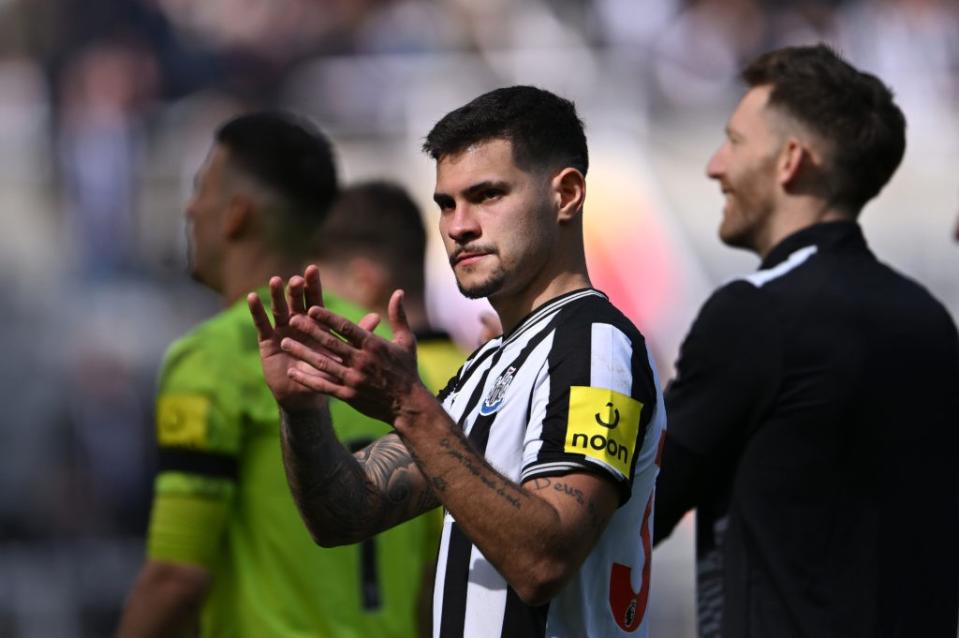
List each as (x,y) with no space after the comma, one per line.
(226,549)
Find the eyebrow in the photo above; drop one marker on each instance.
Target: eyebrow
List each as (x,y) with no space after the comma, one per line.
(472,190)
(482,186)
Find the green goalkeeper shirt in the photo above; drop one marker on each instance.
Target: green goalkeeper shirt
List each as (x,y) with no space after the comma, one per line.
(222,502)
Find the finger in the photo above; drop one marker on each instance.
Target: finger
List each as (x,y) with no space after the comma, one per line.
(344,327)
(295,294)
(281,313)
(314,288)
(322,337)
(369,322)
(319,361)
(321,384)
(264,329)
(402,335)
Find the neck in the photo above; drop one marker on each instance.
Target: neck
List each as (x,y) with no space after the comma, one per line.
(249,268)
(513,308)
(794,218)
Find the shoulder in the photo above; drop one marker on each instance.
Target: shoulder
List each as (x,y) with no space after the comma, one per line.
(200,349)
(221,340)
(595,344)
(735,306)
(590,317)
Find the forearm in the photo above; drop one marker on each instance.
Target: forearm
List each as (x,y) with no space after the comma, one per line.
(523,535)
(345,498)
(164,603)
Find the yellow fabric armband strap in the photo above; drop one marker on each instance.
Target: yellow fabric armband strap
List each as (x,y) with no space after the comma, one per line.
(186,528)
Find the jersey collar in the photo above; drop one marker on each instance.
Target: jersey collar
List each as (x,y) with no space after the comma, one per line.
(550,306)
(845,235)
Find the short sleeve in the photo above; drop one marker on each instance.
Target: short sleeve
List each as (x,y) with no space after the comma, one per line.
(728,371)
(591,404)
(197,445)
(197,436)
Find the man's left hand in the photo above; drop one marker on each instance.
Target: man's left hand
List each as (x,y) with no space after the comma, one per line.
(375,376)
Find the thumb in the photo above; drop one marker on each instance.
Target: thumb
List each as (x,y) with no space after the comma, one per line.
(396,314)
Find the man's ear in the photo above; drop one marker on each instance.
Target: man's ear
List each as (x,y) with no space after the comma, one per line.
(238,216)
(796,159)
(569,192)
(799,168)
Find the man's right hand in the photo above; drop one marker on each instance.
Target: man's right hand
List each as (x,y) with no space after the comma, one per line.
(303,292)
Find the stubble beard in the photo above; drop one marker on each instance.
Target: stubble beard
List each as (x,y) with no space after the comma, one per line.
(486,288)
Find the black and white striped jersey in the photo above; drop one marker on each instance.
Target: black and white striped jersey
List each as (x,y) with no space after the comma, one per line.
(571,389)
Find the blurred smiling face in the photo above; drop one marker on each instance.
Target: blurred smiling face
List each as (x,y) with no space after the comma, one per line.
(745,167)
(204,218)
(495,219)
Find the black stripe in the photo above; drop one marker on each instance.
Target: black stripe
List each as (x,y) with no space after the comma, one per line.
(471,366)
(369,576)
(213,464)
(522,620)
(569,361)
(453,618)
(479,433)
(450,386)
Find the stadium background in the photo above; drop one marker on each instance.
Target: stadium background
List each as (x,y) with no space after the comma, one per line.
(106,110)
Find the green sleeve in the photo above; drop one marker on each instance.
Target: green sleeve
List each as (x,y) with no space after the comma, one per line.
(198,440)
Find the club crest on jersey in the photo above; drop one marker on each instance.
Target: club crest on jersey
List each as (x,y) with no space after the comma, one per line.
(494,400)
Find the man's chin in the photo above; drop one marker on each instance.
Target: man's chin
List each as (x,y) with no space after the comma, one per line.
(480,290)
(735,237)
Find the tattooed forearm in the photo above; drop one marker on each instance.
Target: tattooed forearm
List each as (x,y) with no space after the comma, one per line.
(558,485)
(458,448)
(342,497)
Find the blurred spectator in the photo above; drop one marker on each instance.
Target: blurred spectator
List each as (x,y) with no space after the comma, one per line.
(914,46)
(105,92)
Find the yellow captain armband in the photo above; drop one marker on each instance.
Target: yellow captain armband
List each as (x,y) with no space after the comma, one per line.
(603,425)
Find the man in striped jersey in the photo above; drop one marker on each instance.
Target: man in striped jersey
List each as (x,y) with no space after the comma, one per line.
(542,449)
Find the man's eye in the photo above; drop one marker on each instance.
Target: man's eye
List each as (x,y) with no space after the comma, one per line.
(492,194)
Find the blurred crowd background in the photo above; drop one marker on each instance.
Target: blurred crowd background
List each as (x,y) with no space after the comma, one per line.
(107,109)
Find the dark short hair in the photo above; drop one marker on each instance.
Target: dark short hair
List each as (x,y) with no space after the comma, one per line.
(854,111)
(543,128)
(378,220)
(289,156)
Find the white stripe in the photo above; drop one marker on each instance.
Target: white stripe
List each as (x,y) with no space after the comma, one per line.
(611,355)
(539,400)
(485,598)
(763,277)
(439,580)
